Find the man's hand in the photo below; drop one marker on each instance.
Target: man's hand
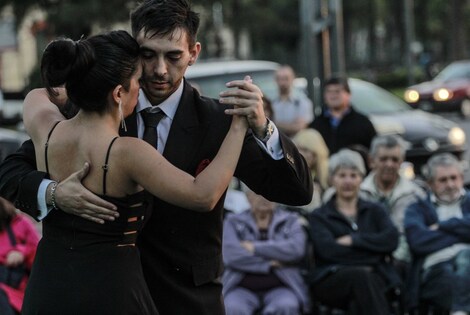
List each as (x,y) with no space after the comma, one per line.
(14,258)
(72,197)
(248,101)
(345,240)
(275,264)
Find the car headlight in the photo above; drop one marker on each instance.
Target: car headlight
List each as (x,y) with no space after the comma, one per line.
(431,144)
(411,96)
(442,95)
(456,136)
(407,170)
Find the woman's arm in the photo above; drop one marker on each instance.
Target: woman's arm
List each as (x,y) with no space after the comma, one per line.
(39,112)
(148,168)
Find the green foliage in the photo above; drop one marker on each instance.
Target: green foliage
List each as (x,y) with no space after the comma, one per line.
(74,18)
(274,30)
(398,77)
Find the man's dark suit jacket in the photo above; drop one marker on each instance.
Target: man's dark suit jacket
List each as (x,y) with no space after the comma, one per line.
(181,249)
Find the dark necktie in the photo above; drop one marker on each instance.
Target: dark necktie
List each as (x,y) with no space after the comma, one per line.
(151,120)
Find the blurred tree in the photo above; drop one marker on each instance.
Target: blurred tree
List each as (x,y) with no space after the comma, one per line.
(74,18)
(272,25)
(70,18)
(374,29)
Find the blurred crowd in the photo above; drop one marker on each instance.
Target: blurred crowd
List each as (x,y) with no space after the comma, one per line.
(371,241)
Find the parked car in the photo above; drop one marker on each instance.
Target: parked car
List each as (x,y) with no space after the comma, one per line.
(424,132)
(448,91)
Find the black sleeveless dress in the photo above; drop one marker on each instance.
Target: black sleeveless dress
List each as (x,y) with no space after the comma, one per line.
(85,268)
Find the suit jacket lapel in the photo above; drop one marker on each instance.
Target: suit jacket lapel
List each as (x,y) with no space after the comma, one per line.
(186,133)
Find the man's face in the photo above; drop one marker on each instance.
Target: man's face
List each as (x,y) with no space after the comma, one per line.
(336,97)
(447,183)
(260,206)
(165,60)
(284,80)
(386,164)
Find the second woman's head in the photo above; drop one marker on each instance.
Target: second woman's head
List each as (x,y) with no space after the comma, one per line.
(92,69)
(346,170)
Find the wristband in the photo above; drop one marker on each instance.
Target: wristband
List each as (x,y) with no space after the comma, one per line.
(53,190)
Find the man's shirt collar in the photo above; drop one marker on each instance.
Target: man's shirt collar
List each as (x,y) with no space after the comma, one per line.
(168,106)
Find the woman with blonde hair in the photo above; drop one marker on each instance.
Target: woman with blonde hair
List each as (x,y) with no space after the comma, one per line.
(313,148)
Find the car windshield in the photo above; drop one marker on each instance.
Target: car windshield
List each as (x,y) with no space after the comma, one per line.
(370,99)
(454,71)
(211,86)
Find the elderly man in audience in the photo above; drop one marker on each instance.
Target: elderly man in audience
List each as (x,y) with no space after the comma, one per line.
(262,248)
(438,232)
(387,186)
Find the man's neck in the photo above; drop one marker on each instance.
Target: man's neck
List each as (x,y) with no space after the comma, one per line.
(385,187)
(338,112)
(284,96)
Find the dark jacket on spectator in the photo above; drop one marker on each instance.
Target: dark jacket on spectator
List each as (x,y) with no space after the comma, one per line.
(374,238)
(423,241)
(354,129)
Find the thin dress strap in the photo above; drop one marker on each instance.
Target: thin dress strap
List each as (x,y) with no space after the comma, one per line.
(105,167)
(47,145)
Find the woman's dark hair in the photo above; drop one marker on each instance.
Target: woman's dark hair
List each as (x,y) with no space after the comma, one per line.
(163,17)
(90,68)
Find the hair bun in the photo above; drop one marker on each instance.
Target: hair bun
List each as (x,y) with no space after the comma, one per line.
(57,60)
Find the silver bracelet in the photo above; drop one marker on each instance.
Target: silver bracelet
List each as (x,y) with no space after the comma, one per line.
(53,189)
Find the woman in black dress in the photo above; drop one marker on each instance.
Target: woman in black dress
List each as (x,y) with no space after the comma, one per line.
(83,267)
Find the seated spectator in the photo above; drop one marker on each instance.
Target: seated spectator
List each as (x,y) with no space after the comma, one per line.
(340,125)
(261,249)
(293,111)
(313,148)
(352,240)
(386,186)
(438,232)
(18,242)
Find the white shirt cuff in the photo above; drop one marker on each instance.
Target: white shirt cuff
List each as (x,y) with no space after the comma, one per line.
(42,205)
(273,145)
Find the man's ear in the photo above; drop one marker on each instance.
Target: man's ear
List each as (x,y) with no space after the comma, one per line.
(194,53)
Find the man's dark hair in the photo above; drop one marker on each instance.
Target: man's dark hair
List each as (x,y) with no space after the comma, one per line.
(163,17)
(338,80)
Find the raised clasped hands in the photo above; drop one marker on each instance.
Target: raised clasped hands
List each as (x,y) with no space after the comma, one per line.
(247,100)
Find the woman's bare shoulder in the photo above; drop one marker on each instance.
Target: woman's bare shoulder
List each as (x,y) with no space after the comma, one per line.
(131,148)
